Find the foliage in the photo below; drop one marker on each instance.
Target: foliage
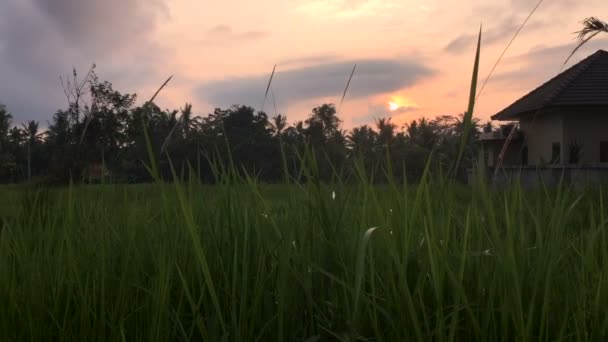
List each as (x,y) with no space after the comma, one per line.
(592,26)
(243,261)
(102,128)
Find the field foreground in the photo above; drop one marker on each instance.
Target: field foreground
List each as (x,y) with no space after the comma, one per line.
(302,263)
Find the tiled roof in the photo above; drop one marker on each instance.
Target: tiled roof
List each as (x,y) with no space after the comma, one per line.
(584,84)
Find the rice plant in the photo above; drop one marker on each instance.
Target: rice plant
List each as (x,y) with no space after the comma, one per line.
(241,261)
(304,261)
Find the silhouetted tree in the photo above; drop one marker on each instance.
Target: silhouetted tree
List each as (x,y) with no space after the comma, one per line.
(33,140)
(102,126)
(279,123)
(6,158)
(386,132)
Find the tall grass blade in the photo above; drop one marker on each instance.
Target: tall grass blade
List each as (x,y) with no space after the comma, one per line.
(352,73)
(268,87)
(360,272)
(468,116)
(519,29)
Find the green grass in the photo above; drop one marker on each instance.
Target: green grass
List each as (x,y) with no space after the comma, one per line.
(249,262)
(245,262)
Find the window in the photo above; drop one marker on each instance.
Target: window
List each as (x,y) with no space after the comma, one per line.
(490,157)
(555,153)
(524,156)
(575,151)
(604,152)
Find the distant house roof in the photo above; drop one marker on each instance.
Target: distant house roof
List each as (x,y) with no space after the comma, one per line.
(584,84)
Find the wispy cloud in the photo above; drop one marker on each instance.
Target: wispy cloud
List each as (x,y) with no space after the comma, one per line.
(373,77)
(306,61)
(347,8)
(496,34)
(224,34)
(558,5)
(451,93)
(544,62)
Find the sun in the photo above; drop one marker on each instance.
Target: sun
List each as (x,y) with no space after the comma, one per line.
(400,103)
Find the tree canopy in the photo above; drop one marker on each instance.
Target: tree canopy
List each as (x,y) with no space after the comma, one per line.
(104,139)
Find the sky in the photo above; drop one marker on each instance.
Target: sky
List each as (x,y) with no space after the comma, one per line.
(414,57)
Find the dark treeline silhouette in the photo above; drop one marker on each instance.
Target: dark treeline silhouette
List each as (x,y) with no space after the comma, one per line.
(100,136)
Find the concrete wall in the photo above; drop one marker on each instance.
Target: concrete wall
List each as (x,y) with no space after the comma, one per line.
(588,127)
(540,133)
(531,177)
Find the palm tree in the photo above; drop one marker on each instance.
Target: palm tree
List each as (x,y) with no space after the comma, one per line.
(16,136)
(592,26)
(33,138)
(422,133)
(386,131)
(5,124)
(167,123)
(188,122)
(279,123)
(31,131)
(360,140)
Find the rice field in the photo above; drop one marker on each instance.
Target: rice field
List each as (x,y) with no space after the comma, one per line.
(240,261)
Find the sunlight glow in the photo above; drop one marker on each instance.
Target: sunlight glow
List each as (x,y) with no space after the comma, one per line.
(400,102)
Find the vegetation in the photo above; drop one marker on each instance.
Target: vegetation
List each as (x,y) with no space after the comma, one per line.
(327,255)
(240,261)
(104,140)
(592,26)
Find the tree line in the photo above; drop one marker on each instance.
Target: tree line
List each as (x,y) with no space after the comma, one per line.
(103,135)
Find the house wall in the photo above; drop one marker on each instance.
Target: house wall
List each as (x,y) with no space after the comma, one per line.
(540,132)
(493,148)
(553,175)
(587,127)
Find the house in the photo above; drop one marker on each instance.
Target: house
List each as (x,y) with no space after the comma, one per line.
(561,125)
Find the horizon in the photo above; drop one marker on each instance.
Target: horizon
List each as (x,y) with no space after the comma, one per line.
(223,54)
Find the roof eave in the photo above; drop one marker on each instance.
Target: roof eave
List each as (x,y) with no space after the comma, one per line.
(506,116)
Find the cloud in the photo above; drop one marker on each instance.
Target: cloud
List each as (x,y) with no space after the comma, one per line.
(496,9)
(347,8)
(556,13)
(309,60)
(28,60)
(542,63)
(550,5)
(99,24)
(41,40)
(220,29)
(504,30)
(403,110)
(372,77)
(377,111)
(451,93)
(224,34)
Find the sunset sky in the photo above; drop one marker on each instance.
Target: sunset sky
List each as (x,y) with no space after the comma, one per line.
(414,57)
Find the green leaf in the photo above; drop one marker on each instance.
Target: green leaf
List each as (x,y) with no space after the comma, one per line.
(468,116)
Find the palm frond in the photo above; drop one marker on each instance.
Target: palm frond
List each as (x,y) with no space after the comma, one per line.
(592,26)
